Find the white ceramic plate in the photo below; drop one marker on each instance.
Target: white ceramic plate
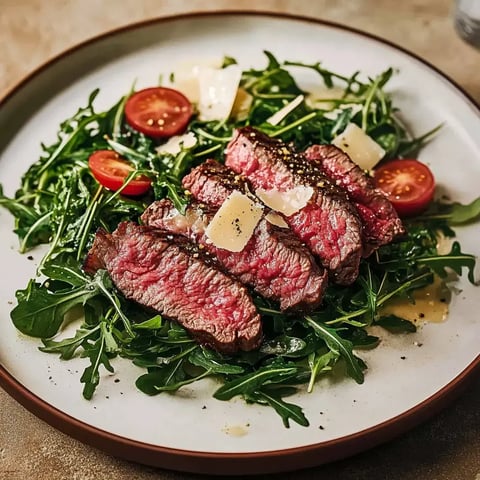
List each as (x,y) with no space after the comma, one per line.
(190,430)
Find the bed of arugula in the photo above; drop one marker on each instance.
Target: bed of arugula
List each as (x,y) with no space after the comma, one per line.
(60,204)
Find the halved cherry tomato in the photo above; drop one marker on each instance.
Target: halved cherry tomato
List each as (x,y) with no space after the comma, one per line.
(111,170)
(408,183)
(158,112)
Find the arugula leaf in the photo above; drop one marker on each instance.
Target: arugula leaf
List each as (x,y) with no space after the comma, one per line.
(362,340)
(411,147)
(171,188)
(111,345)
(31,226)
(341,122)
(284,345)
(328,77)
(253,381)
(320,362)
(287,411)
(371,293)
(213,362)
(67,347)
(374,91)
(460,214)
(154,323)
(66,269)
(273,63)
(167,379)
(40,313)
(96,352)
(227,61)
(455,260)
(18,209)
(138,159)
(339,346)
(395,324)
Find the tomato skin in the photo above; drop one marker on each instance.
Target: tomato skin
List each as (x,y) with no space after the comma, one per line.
(111,170)
(158,112)
(408,184)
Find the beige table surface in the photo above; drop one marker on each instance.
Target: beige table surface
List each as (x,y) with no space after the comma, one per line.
(32,31)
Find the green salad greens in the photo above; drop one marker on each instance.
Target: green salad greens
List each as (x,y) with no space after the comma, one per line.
(59,203)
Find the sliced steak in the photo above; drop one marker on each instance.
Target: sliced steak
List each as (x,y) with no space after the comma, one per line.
(274,261)
(380,220)
(212,182)
(163,272)
(328,223)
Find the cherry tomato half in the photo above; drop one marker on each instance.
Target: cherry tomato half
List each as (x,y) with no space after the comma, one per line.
(111,170)
(408,183)
(158,112)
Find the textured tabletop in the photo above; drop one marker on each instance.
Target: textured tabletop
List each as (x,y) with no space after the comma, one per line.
(32,31)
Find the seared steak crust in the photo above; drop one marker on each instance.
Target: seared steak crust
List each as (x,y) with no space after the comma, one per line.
(328,224)
(164,272)
(380,220)
(212,182)
(274,262)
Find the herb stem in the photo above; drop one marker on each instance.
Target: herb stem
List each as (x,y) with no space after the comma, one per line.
(114,301)
(256,80)
(180,164)
(348,316)
(274,96)
(67,140)
(205,134)
(128,152)
(294,124)
(37,224)
(117,119)
(269,311)
(368,102)
(323,73)
(59,231)
(88,217)
(207,151)
(177,385)
(404,286)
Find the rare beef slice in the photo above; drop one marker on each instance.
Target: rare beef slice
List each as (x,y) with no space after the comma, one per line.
(274,261)
(380,222)
(167,274)
(328,223)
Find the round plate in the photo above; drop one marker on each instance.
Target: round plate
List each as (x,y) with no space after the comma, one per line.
(190,430)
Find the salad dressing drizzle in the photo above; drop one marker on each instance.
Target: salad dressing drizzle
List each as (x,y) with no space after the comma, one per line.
(431,304)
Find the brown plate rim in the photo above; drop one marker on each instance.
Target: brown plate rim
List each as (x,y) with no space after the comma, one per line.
(234,463)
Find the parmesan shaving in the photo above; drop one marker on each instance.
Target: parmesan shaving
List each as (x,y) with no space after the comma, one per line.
(324,97)
(288,202)
(175,144)
(232,226)
(275,219)
(277,117)
(361,148)
(185,76)
(241,105)
(218,89)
